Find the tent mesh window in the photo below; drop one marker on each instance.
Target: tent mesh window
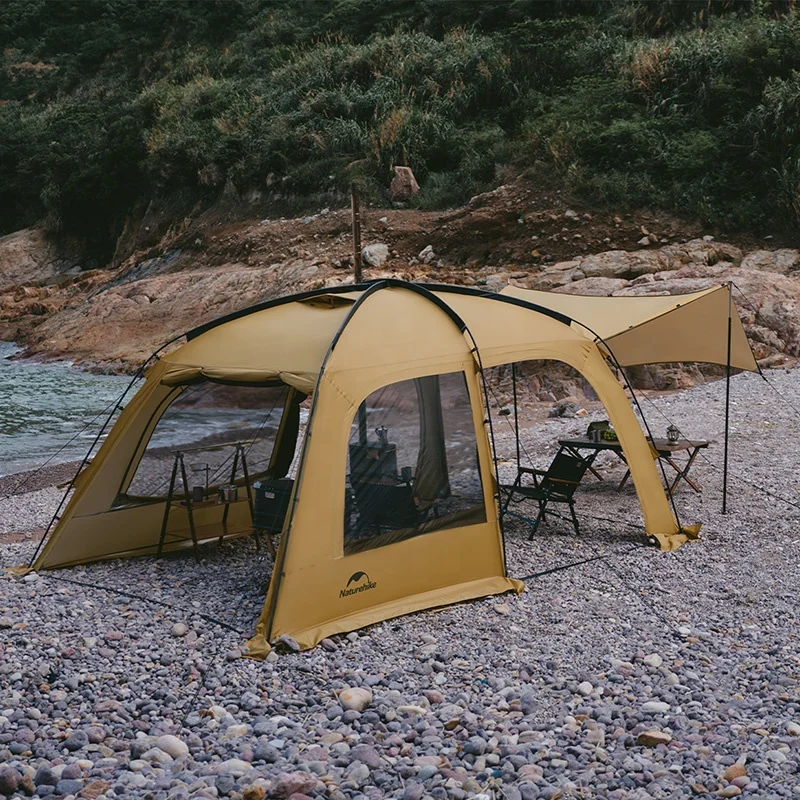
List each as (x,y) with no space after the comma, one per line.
(205,422)
(412,463)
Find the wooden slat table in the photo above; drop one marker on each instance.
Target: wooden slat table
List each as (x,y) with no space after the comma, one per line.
(666,450)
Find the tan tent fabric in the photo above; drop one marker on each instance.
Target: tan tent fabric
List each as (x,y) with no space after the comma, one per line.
(341,349)
(655,330)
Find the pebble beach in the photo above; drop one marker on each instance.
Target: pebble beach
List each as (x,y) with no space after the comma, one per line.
(630,676)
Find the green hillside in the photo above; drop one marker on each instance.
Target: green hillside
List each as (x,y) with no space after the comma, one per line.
(110,106)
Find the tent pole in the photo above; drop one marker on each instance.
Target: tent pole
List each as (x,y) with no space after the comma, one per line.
(362,424)
(727,403)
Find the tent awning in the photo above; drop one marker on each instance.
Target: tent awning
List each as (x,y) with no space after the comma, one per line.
(655,330)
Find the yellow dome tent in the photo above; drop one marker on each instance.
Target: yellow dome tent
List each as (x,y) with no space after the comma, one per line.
(365,537)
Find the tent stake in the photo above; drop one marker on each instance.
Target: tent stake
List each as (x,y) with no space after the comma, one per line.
(727,403)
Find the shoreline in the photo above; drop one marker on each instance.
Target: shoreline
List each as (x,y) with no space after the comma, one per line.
(34,480)
(93,366)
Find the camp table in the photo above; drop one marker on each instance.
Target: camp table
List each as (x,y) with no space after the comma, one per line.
(186,502)
(665,449)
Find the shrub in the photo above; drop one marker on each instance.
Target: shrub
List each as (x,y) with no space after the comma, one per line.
(105,104)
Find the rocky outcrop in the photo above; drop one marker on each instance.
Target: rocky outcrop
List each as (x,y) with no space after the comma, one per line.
(767,285)
(24,308)
(27,258)
(627,265)
(125,323)
(114,318)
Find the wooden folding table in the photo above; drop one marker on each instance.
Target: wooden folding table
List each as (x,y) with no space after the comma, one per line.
(665,449)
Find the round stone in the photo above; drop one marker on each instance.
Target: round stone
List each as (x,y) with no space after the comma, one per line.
(172,745)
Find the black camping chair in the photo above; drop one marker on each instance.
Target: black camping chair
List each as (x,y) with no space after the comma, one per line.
(556,485)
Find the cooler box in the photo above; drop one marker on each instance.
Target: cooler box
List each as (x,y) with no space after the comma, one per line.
(271,504)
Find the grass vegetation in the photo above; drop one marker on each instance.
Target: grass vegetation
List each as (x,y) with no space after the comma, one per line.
(107,106)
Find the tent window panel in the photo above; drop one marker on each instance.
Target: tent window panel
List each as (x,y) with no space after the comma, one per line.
(412,463)
(205,422)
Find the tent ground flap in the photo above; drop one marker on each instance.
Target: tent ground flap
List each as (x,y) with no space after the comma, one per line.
(447,595)
(669,542)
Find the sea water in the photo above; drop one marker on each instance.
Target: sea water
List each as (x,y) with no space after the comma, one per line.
(53,412)
(45,407)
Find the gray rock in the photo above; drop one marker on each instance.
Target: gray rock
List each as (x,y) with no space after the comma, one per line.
(655,707)
(76,741)
(9,780)
(564,408)
(225,784)
(172,745)
(288,644)
(45,776)
(367,755)
(139,747)
(413,791)
(95,734)
(475,746)
(69,787)
(529,791)
(266,752)
(375,255)
(71,772)
(426,255)
(427,772)
(358,773)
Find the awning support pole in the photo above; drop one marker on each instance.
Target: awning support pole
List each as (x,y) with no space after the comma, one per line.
(727,402)
(516,412)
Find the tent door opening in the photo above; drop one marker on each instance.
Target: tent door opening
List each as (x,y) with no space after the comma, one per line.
(536,495)
(220,458)
(412,463)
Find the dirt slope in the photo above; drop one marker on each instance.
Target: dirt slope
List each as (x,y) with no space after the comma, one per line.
(209,266)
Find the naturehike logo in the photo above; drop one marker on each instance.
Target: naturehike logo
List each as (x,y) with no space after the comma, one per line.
(359,582)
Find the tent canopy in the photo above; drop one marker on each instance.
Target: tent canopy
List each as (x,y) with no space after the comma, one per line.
(354,549)
(655,330)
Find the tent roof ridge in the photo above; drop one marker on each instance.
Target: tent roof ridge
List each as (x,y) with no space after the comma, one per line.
(430,290)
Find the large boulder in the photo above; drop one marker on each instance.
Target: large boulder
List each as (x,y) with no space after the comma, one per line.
(557,275)
(623,264)
(594,287)
(781,261)
(26,257)
(404,185)
(375,255)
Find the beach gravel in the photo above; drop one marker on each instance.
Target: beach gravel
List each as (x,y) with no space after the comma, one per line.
(643,675)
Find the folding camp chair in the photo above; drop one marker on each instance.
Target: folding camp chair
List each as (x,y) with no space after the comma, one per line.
(556,485)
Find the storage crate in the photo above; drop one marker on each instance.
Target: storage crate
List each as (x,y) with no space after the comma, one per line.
(271,504)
